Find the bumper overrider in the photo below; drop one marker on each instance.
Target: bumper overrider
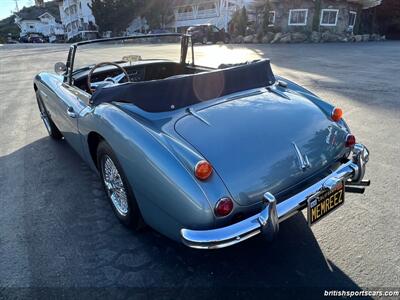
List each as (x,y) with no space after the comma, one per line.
(267,221)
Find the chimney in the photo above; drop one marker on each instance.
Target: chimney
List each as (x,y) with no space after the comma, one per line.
(39,3)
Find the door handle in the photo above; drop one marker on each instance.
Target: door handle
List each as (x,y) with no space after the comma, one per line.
(70,112)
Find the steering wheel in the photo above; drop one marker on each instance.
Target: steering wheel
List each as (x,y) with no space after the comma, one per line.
(108,80)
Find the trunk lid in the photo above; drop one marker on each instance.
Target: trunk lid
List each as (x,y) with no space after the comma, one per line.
(250,142)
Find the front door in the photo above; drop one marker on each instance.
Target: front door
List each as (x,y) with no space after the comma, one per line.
(66,109)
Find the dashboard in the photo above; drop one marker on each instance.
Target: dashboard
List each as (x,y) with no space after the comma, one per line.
(136,74)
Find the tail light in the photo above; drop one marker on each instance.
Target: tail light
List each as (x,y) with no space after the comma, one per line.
(337,114)
(203,170)
(223,207)
(350,140)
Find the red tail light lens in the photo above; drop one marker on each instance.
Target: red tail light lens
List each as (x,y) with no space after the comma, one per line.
(350,140)
(337,114)
(224,207)
(203,170)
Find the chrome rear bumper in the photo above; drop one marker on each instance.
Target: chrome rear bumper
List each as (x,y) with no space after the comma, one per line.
(267,221)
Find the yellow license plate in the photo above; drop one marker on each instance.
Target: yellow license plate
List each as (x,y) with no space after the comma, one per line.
(327,202)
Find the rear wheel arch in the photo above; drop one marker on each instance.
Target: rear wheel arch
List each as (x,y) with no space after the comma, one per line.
(133,159)
(132,216)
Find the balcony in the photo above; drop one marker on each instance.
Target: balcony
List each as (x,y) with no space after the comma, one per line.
(70,19)
(207,13)
(185,16)
(71,5)
(201,14)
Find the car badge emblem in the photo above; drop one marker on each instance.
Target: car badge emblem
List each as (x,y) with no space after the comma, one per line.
(303,159)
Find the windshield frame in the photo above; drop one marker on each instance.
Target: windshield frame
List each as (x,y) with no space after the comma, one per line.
(73,48)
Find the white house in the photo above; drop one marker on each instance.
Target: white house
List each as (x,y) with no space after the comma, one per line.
(216,12)
(39,22)
(78,19)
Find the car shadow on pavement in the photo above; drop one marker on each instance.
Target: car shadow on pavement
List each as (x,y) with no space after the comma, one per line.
(71,239)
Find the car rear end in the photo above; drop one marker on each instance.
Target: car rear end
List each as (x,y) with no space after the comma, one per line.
(276,155)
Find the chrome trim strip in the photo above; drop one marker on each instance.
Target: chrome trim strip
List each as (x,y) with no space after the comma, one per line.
(277,92)
(267,221)
(44,94)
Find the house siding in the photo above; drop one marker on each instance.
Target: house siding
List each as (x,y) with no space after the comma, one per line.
(282,9)
(78,19)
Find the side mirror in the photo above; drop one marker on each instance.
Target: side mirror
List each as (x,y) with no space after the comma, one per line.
(60,68)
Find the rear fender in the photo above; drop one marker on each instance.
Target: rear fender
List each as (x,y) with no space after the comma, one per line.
(168,196)
(325,107)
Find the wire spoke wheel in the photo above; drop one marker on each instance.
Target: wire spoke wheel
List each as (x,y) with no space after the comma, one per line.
(114,186)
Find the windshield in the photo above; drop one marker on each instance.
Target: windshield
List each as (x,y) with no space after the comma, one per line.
(130,50)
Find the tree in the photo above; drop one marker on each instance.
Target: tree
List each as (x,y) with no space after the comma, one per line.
(158,13)
(114,15)
(240,21)
(384,19)
(316,18)
(265,16)
(388,18)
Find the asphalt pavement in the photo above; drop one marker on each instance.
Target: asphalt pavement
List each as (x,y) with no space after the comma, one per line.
(58,233)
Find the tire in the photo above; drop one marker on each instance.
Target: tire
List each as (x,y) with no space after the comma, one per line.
(52,129)
(123,201)
(227,40)
(204,40)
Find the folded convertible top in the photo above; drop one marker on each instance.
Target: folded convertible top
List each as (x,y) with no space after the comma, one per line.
(185,90)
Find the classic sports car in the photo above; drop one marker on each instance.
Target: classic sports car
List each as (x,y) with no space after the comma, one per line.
(209,157)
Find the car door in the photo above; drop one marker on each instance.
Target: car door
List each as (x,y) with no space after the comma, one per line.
(66,108)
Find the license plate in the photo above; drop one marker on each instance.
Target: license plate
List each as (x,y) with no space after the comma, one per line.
(324,204)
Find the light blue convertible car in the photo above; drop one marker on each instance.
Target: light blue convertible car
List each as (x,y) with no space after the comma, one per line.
(206,156)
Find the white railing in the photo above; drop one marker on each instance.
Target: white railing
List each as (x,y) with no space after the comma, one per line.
(207,13)
(184,16)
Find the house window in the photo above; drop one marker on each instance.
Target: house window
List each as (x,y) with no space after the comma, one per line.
(352,18)
(271,18)
(298,17)
(329,17)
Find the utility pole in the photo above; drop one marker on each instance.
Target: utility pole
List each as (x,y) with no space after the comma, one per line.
(16,6)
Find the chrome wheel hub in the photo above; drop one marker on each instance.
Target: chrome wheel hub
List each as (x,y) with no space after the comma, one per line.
(114,186)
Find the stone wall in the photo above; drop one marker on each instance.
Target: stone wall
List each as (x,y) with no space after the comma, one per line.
(283,7)
(313,31)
